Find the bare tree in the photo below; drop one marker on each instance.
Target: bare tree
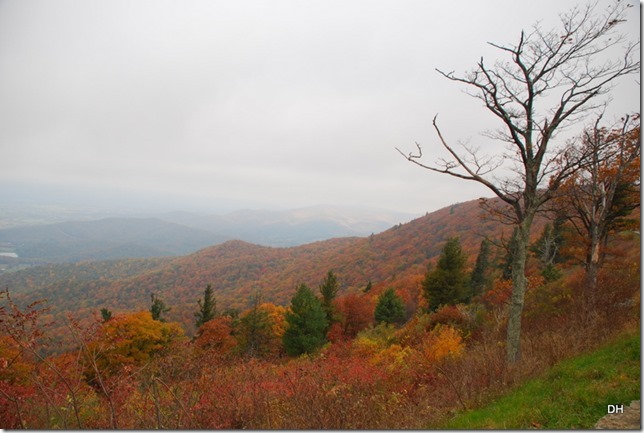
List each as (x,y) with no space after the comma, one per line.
(601,194)
(547,81)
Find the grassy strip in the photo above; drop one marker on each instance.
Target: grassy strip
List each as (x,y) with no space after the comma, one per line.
(573,394)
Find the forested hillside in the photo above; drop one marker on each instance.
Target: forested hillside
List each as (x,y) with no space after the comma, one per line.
(397,257)
(397,330)
(388,358)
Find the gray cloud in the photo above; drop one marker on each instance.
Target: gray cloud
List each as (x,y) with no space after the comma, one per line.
(283,103)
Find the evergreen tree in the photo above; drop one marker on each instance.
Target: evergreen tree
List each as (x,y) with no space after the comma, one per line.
(506,264)
(207,308)
(106,314)
(329,291)
(157,308)
(546,249)
(367,288)
(447,284)
(390,308)
(306,323)
(480,277)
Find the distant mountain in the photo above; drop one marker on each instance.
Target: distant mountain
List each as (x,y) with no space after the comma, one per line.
(105,239)
(397,257)
(293,227)
(182,233)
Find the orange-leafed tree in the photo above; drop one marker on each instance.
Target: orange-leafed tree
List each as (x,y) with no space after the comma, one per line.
(599,198)
(355,313)
(131,340)
(260,329)
(216,337)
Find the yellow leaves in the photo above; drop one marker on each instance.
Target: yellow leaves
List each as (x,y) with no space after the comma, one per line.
(365,347)
(443,342)
(133,339)
(373,340)
(380,346)
(276,315)
(393,357)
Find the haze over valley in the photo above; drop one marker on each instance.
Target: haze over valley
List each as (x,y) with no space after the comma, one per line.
(320,214)
(31,236)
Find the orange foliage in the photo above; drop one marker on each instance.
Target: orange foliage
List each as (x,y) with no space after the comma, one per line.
(397,257)
(132,339)
(277,318)
(443,342)
(216,336)
(356,314)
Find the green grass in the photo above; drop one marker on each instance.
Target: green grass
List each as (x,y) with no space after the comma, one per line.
(574,394)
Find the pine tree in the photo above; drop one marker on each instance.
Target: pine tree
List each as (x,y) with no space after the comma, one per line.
(506,263)
(207,308)
(306,323)
(367,288)
(390,308)
(480,278)
(546,249)
(447,284)
(329,290)
(157,308)
(106,314)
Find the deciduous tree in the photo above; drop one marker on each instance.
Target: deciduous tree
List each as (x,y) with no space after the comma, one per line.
(131,340)
(600,196)
(258,331)
(548,80)
(356,312)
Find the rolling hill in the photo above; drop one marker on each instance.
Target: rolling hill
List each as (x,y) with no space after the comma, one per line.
(294,226)
(397,257)
(181,233)
(105,239)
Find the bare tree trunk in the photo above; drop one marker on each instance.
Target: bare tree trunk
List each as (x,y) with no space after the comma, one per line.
(593,263)
(519,285)
(568,65)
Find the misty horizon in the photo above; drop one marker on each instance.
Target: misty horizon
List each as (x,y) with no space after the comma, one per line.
(221,106)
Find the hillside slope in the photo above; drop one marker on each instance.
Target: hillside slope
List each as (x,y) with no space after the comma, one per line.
(397,257)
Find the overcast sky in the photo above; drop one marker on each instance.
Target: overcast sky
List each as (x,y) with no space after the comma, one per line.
(263,104)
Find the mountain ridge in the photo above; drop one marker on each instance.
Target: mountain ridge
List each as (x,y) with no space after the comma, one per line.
(236,269)
(105,238)
(181,233)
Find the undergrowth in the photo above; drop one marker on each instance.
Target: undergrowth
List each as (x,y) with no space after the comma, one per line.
(573,394)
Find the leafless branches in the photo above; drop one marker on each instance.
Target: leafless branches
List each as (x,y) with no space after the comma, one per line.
(545,82)
(548,80)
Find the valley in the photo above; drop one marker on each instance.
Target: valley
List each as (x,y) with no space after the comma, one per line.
(174,234)
(237,269)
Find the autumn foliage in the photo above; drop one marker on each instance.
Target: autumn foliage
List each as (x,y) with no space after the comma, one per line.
(129,371)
